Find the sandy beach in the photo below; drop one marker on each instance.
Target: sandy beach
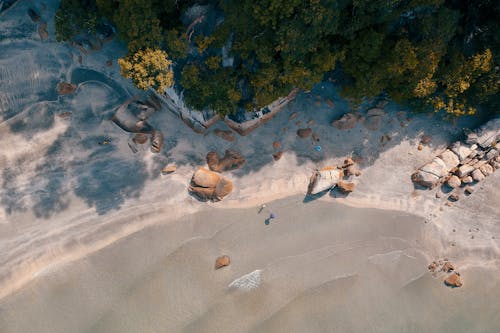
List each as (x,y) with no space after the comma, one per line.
(322,267)
(94,238)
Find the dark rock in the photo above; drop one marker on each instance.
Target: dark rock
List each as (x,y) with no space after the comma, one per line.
(34,16)
(226,135)
(454,280)
(222,261)
(304,132)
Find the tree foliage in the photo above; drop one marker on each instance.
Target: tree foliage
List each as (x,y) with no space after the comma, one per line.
(148,68)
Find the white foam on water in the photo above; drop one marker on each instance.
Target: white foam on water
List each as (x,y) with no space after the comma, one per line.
(248,281)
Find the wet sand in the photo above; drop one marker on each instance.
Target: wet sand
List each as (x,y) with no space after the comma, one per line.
(325,267)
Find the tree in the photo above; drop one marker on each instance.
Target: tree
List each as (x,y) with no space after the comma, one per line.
(148,68)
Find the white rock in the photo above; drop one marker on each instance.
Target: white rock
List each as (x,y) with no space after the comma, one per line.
(477,175)
(450,159)
(461,151)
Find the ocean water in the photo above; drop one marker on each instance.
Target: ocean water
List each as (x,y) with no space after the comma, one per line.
(316,267)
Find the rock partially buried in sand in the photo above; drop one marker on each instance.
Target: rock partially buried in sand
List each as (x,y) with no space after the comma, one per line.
(232,160)
(454,280)
(454,197)
(169,169)
(226,135)
(222,261)
(346,187)
(304,132)
(454,182)
(65,88)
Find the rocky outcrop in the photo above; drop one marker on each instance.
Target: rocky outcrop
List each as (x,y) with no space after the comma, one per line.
(454,280)
(324,179)
(463,163)
(222,261)
(209,185)
(347,121)
(277,155)
(65,88)
(226,135)
(232,160)
(345,187)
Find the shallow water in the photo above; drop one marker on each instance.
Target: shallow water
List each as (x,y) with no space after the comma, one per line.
(324,268)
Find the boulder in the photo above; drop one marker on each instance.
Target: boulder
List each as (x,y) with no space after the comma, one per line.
(345,187)
(477,175)
(324,179)
(467,180)
(454,182)
(222,261)
(493,153)
(209,185)
(276,145)
(454,280)
(425,178)
(450,159)
(140,138)
(462,151)
(226,135)
(64,88)
(469,190)
(304,132)
(454,197)
(157,141)
(42,31)
(347,162)
(447,267)
(350,170)
(277,155)
(169,169)
(486,169)
(347,121)
(206,178)
(437,167)
(232,160)
(464,170)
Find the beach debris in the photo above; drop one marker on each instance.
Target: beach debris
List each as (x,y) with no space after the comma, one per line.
(157,141)
(65,88)
(277,155)
(454,182)
(276,145)
(170,168)
(42,31)
(222,261)
(454,280)
(34,16)
(345,187)
(248,281)
(324,179)
(304,132)
(317,148)
(209,185)
(232,160)
(225,134)
(347,121)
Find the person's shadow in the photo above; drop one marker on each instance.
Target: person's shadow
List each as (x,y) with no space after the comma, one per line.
(267,221)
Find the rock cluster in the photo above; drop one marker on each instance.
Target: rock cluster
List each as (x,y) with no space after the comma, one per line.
(329,177)
(209,185)
(232,160)
(463,163)
(453,278)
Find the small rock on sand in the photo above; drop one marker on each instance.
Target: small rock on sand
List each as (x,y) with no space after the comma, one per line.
(169,169)
(222,261)
(304,132)
(277,155)
(454,280)
(346,187)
